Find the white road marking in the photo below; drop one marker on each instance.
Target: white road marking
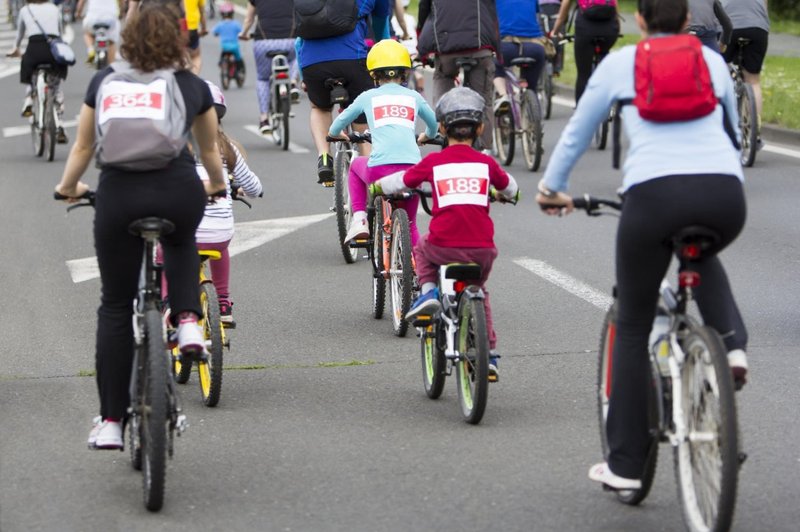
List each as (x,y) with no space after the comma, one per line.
(565,281)
(294,148)
(10,70)
(18,131)
(249,235)
(566,102)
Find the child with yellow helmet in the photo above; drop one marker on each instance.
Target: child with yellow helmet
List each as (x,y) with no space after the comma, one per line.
(391,110)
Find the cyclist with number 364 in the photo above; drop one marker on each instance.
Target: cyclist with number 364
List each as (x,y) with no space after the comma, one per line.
(460,229)
(662,194)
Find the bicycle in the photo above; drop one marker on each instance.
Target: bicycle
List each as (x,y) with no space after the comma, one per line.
(280,103)
(44,119)
(546,88)
(154,415)
(343,152)
(748,112)
(209,368)
(691,400)
(522,118)
(101,43)
(229,70)
(457,336)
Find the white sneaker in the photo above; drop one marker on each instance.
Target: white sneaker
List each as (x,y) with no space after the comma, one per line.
(190,337)
(501,105)
(105,434)
(358,227)
(737,360)
(602,473)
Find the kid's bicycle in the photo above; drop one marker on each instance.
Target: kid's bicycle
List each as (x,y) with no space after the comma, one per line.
(230,70)
(154,416)
(691,403)
(457,336)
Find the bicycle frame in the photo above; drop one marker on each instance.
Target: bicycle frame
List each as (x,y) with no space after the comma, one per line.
(451,292)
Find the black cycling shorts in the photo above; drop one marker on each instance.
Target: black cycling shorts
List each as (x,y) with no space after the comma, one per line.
(753,54)
(353,71)
(194,39)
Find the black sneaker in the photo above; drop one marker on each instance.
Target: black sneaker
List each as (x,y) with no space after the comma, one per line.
(264,127)
(226,315)
(61,136)
(325,170)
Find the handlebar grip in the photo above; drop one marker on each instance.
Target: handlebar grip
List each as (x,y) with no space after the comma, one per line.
(438,140)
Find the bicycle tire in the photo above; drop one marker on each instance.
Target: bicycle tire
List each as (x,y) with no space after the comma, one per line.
(401,273)
(604,359)
(102,60)
(378,280)
(210,372)
(49,129)
(549,90)
(707,504)
(504,137)
(472,366)
(224,73)
(748,124)
(181,370)
(341,194)
(37,133)
(154,413)
(134,422)
(601,135)
(531,117)
(285,110)
(434,362)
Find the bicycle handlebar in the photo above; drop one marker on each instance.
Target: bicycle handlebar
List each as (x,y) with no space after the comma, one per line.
(88,196)
(438,140)
(593,206)
(354,137)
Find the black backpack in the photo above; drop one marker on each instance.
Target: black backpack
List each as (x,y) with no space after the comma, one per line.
(320,19)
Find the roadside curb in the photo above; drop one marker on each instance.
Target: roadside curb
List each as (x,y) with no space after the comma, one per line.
(769,132)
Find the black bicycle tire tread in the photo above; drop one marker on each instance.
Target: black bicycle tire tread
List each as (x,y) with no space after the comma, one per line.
(340,172)
(285,109)
(155,388)
(750,139)
(506,156)
(378,281)
(434,385)
(473,308)
(530,102)
(400,223)
(216,351)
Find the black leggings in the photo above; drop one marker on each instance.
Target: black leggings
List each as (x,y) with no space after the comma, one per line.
(652,212)
(589,34)
(122,199)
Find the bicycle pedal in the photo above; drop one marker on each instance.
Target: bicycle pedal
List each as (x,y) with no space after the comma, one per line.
(229,324)
(742,456)
(181,424)
(327,184)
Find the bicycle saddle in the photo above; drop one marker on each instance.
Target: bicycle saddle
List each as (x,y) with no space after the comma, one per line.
(743,41)
(463,272)
(523,61)
(159,226)
(703,237)
(100,26)
(273,53)
(466,62)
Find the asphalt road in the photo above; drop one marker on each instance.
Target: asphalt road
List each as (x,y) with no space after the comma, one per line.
(330,429)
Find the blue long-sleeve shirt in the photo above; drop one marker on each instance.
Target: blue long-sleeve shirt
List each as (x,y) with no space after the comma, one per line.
(698,146)
(391,111)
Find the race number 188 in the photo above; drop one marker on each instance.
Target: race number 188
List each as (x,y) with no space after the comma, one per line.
(462,185)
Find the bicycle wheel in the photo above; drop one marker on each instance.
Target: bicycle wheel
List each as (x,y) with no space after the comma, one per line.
(601,135)
(37,133)
(472,366)
(706,463)
(341,193)
(181,370)
(548,90)
(401,273)
(378,280)
(433,360)
(605,359)
(210,372)
(285,106)
(154,414)
(748,124)
(531,130)
(102,60)
(49,132)
(224,73)
(504,137)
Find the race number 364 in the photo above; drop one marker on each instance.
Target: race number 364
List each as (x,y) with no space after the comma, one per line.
(139,100)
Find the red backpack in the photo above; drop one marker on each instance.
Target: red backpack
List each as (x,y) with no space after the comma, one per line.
(672,80)
(672,83)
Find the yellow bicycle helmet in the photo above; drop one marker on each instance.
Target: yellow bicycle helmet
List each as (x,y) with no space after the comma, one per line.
(388,55)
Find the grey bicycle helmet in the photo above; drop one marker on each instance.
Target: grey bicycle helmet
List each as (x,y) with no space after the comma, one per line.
(460,105)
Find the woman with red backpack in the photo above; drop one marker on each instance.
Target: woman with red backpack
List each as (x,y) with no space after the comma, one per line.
(596,24)
(662,193)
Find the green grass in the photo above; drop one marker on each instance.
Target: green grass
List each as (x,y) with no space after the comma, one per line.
(780,83)
(792,27)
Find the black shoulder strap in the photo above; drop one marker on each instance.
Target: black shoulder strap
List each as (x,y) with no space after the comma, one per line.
(616,133)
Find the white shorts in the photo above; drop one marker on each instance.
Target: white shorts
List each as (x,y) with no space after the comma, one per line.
(113,25)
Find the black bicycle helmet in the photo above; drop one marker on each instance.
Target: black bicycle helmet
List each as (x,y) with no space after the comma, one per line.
(460,105)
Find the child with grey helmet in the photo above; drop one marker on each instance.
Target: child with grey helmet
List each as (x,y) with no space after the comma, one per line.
(460,229)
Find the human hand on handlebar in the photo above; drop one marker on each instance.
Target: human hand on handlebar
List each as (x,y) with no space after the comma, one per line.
(244,37)
(14,53)
(72,194)
(375,189)
(215,191)
(557,205)
(422,138)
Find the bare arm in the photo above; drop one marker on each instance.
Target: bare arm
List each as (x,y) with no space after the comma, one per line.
(204,130)
(563,14)
(79,156)
(400,15)
(133,7)
(725,21)
(249,18)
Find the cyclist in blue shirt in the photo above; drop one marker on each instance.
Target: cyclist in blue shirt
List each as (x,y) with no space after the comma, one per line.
(342,56)
(228,31)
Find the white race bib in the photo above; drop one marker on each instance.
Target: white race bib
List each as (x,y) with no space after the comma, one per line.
(132,100)
(461,184)
(393,109)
